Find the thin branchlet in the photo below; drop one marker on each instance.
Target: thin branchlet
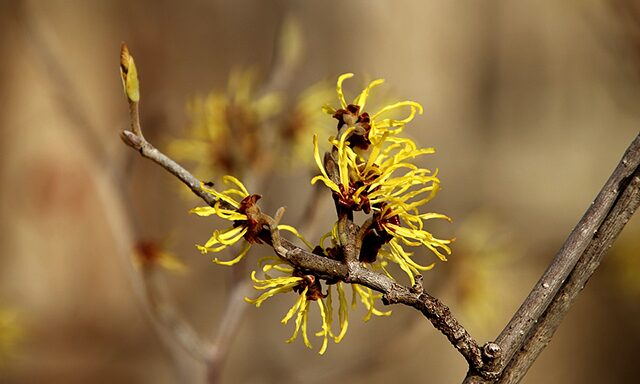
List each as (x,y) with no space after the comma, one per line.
(322,267)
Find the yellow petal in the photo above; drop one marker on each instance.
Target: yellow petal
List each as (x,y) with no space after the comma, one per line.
(411,104)
(203,211)
(341,79)
(343,313)
(291,229)
(228,179)
(237,259)
(362,98)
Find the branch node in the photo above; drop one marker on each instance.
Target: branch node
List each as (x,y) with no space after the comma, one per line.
(131,139)
(491,351)
(417,287)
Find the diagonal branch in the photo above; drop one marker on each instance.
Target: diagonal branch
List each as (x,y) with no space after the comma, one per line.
(531,328)
(621,212)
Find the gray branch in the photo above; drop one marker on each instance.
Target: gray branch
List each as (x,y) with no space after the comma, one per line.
(531,328)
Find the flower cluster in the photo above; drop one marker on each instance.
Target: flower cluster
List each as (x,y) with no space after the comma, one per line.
(369,170)
(224,125)
(244,129)
(236,205)
(309,288)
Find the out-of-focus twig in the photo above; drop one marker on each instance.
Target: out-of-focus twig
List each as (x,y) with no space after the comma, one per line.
(228,328)
(43,43)
(170,323)
(287,54)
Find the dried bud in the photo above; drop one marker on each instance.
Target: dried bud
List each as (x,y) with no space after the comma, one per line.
(129,74)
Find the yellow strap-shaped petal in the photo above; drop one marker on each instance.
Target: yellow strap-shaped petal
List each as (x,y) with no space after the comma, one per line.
(326,327)
(324,178)
(362,97)
(342,161)
(408,103)
(343,312)
(237,259)
(228,179)
(203,211)
(291,229)
(339,90)
(296,306)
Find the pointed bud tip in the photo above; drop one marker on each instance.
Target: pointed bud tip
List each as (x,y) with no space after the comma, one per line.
(124,56)
(129,74)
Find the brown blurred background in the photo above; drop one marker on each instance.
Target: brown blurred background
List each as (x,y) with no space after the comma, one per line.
(530,106)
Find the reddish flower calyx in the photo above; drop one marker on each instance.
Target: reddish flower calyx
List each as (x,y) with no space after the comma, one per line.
(312,283)
(255,221)
(351,117)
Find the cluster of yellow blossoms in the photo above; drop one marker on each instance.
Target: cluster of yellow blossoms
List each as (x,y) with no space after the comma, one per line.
(373,174)
(245,129)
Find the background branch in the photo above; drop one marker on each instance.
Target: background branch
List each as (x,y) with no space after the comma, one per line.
(169,322)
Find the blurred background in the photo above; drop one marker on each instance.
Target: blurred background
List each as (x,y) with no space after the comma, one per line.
(529,104)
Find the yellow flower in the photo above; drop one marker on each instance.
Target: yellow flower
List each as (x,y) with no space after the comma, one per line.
(478,278)
(298,123)
(356,130)
(369,127)
(367,298)
(224,136)
(309,289)
(235,204)
(372,171)
(238,206)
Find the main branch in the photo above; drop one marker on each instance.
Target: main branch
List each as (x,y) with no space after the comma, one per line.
(354,273)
